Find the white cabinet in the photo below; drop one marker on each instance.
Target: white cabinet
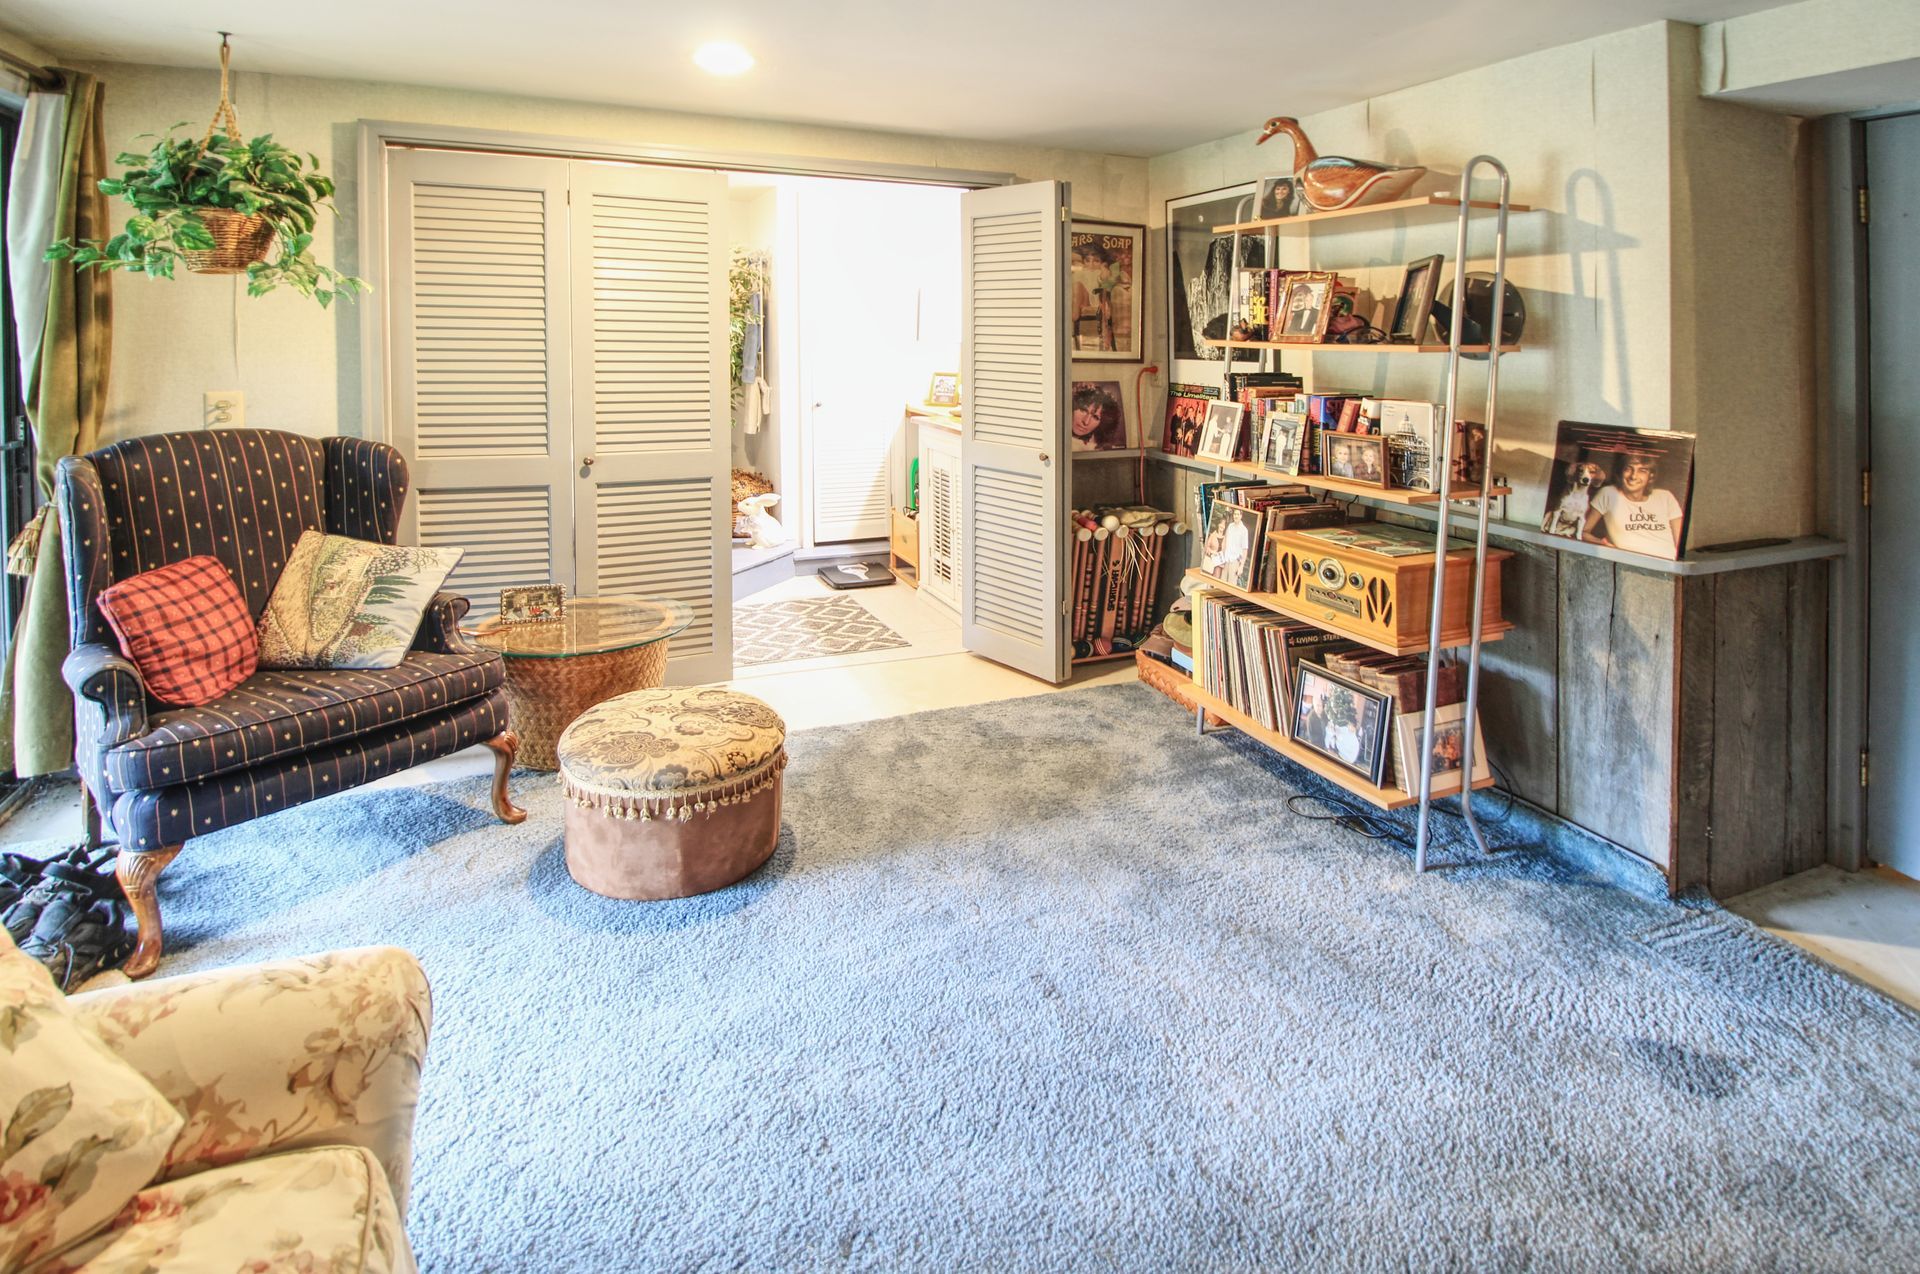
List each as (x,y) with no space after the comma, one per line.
(940,518)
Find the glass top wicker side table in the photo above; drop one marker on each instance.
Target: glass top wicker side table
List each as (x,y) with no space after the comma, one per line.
(558,668)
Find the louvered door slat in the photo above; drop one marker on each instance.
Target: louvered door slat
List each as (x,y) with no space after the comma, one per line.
(1013,436)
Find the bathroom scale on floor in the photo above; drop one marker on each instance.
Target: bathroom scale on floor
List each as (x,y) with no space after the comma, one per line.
(856,575)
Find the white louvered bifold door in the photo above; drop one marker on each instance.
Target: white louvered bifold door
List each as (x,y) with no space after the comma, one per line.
(479,385)
(1013,449)
(652,496)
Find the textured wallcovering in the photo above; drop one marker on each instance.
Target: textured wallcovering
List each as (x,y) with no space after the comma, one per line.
(1051,984)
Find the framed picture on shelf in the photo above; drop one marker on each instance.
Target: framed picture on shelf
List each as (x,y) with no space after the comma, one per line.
(1200,269)
(1231,550)
(1616,485)
(1279,197)
(1449,738)
(1355,457)
(1100,417)
(1220,436)
(1342,721)
(944,390)
(1305,309)
(1109,291)
(1186,417)
(1414,307)
(1280,440)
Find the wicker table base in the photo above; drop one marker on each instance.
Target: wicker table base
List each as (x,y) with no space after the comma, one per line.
(545,695)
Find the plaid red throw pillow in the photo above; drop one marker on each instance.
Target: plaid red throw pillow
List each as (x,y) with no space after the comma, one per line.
(187,629)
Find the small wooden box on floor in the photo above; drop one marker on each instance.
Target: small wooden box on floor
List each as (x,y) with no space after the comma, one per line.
(903,548)
(671,793)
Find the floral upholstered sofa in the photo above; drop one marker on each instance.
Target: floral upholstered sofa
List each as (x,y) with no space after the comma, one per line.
(252,1120)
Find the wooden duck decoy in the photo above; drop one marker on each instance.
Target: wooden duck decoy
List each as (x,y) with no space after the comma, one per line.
(1330,182)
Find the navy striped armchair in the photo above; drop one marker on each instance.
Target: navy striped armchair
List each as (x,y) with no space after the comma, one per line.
(156,776)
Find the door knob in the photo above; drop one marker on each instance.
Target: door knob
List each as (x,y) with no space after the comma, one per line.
(588,462)
(1043,458)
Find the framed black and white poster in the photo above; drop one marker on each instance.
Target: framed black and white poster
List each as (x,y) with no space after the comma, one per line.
(1109,291)
(1200,274)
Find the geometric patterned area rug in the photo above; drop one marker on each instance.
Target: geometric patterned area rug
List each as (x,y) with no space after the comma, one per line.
(775,632)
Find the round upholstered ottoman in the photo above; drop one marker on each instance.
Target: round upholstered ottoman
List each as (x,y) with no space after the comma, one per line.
(671,792)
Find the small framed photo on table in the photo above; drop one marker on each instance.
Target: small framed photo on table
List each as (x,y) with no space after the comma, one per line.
(533,604)
(944,390)
(1355,457)
(1345,722)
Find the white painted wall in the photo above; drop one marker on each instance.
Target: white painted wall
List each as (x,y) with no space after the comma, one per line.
(1817,56)
(300,366)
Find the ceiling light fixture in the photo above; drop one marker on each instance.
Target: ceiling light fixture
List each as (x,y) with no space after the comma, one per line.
(722,57)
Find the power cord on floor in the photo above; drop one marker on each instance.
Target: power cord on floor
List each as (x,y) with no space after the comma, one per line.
(1377,826)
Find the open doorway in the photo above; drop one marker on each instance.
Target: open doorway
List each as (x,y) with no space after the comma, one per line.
(844,307)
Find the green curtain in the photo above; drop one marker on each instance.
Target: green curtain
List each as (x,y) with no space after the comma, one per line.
(66,398)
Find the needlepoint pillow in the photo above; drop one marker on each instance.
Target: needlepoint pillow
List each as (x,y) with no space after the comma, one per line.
(186,628)
(80,1130)
(343,603)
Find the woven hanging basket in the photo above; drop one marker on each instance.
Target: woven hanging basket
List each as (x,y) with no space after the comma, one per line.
(239,240)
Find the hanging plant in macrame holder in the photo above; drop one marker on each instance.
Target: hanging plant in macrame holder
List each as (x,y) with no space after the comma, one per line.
(219,206)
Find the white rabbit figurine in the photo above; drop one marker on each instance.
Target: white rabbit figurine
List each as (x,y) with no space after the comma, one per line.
(765,529)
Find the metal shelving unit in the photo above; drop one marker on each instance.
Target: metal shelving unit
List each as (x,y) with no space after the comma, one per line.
(1462,208)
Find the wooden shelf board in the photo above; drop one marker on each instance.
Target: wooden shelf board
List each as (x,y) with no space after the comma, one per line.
(1419,203)
(1493,631)
(1123,453)
(1386,798)
(1382,348)
(1342,486)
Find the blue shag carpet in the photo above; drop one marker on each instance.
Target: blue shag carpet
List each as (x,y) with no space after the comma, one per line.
(1053,985)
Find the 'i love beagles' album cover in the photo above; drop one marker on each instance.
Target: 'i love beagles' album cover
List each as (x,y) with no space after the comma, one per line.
(1620,486)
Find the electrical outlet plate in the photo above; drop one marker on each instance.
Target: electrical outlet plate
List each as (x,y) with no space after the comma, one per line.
(223,409)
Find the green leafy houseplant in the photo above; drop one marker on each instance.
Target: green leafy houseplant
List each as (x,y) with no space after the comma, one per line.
(180,185)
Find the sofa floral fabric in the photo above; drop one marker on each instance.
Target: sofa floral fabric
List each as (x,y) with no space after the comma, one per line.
(320,1051)
(80,1129)
(669,740)
(343,603)
(320,1211)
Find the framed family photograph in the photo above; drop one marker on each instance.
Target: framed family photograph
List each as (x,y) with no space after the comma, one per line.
(1109,291)
(1449,748)
(1200,266)
(533,603)
(1414,307)
(944,390)
(1306,307)
(1231,550)
(1220,436)
(1621,486)
(1100,417)
(1342,721)
(1355,457)
(1280,440)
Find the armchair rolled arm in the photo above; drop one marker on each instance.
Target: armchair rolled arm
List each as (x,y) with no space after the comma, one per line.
(109,707)
(440,626)
(104,678)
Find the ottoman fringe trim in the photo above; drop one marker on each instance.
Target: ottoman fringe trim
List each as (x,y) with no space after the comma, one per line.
(677,806)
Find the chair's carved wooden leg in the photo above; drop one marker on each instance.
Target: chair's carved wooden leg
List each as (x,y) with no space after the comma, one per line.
(139,874)
(505,746)
(91,814)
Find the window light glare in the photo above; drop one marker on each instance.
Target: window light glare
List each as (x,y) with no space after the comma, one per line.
(722,57)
